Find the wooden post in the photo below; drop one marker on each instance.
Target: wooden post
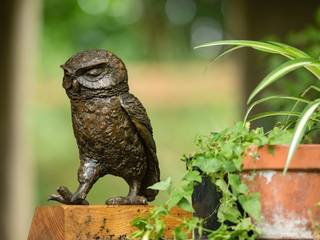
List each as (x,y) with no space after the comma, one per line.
(19,25)
(93,222)
(23,74)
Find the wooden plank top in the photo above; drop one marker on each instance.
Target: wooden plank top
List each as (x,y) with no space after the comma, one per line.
(93,222)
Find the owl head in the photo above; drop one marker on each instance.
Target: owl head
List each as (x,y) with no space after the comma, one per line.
(94,71)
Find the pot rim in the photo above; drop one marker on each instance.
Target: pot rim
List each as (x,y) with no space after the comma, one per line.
(307,158)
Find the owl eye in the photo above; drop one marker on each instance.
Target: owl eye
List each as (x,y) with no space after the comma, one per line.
(94,72)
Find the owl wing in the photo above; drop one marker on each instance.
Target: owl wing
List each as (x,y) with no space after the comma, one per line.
(140,120)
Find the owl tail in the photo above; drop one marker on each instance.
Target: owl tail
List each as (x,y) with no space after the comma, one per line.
(152,176)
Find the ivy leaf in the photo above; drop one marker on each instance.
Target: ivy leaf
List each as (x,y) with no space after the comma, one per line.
(223,186)
(237,186)
(279,136)
(228,212)
(227,150)
(185,204)
(251,204)
(238,163)
(229,166)
(193,176)
(179,234)
(207,164)
(175,198)
(187,190)
(163,185)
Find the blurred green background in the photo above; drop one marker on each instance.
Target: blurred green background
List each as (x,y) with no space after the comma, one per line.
(183,94)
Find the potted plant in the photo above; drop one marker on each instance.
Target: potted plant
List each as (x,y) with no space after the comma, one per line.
(236,178)
(288,201)
(212,188)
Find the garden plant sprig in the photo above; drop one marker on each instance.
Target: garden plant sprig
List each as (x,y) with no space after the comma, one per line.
(219,156)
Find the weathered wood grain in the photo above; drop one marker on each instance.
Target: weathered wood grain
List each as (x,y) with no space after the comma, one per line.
(96,222)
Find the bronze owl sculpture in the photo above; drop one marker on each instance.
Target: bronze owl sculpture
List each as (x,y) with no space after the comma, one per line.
(112,129)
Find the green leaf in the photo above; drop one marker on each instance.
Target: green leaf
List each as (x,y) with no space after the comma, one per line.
(226,52)
(185,204)
(299,131)
(227,150)
(179,234)
(139,223)
(192,176)
(275,113)
(163,185)
(223,186)
(175,198)
(262,100)
(280,71)
(237,186)
(269,47)
(229,166)
(228,211)
(241,230)
(291,51)
(159,226)
(278,136)
(259,45)
(251,204)
(207,164)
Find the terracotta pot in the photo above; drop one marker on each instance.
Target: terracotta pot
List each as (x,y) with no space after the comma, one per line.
(288,201)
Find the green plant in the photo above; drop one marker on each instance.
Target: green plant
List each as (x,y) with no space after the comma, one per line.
(308,116)
(219,156)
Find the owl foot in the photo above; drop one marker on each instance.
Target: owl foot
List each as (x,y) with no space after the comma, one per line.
(66,197)
(132,200)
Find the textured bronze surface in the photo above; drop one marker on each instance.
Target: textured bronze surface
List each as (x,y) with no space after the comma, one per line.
(112,129)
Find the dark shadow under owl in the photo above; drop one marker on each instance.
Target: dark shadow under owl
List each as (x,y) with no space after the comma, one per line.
(112,129)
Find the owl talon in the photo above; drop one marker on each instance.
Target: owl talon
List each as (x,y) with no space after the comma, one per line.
(66,197)
(79,198)
(56,197)
(134,200)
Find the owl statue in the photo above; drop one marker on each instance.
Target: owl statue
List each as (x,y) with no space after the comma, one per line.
(112,129)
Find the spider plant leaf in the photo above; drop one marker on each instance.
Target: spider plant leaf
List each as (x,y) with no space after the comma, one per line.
(299,131)
(269,47)
(272,114)
(225,53)
(280,71)
(297,53)
(264,46)
(259,45)
(262,100)
(291,51)
(311,87)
